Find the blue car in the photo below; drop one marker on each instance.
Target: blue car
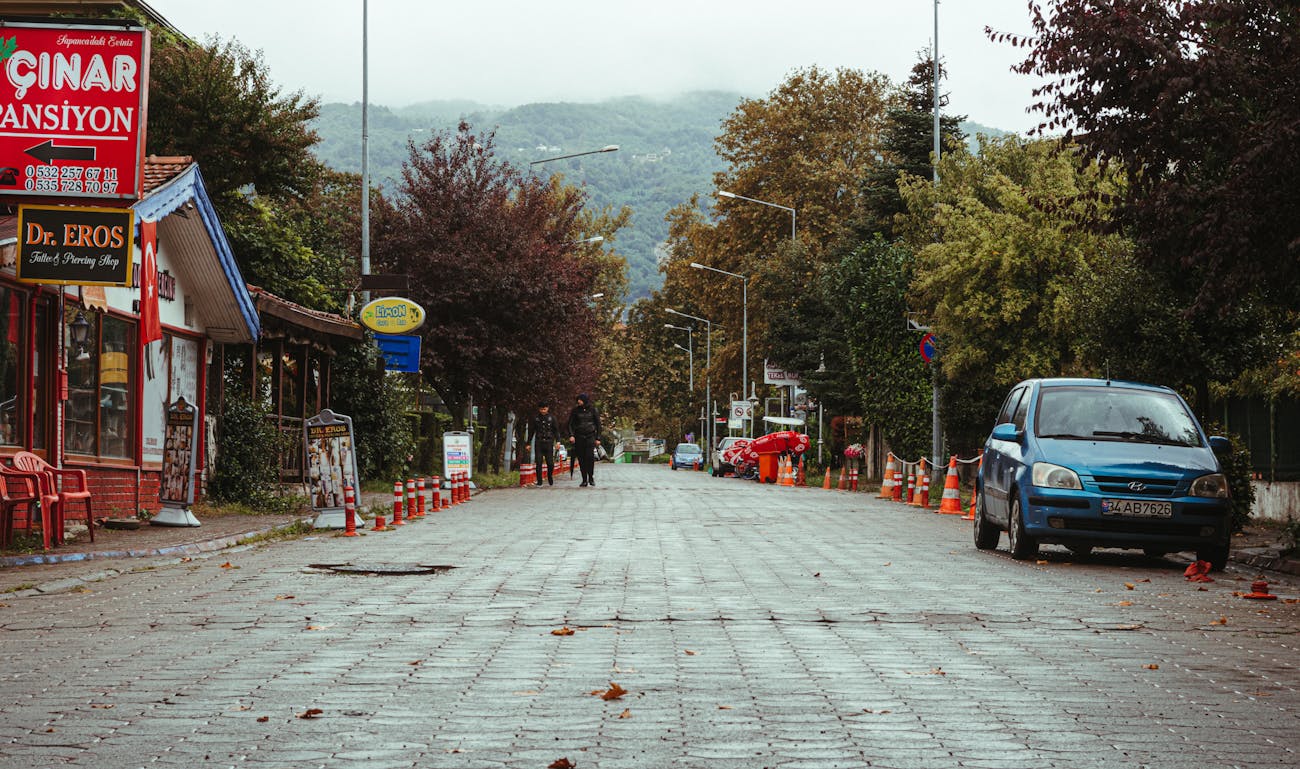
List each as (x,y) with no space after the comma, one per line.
(1095,463)
(687,455)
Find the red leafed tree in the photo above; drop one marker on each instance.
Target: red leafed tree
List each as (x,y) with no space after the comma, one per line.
(491,256)
(1197,100)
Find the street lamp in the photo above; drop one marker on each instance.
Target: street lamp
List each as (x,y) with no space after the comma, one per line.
(690,364)
(690,337)
(744,333)
(606,148)
(708,373)
(793,216)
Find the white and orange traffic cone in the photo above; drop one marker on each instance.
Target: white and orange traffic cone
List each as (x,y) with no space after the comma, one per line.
(887,480)
(950,504)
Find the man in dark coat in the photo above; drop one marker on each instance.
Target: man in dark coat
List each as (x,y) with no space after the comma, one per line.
(584,432)
(544,431)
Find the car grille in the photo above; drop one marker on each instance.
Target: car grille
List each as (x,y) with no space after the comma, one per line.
(1153,487)
(1164,527)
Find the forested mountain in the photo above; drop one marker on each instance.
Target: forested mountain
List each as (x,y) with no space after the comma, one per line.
(666,152)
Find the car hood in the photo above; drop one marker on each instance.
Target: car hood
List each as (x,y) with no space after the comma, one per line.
(1116,458)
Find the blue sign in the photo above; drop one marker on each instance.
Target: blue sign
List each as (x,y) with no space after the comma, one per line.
(401,351)
(928,344)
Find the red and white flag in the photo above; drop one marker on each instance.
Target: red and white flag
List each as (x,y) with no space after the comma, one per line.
(150,324)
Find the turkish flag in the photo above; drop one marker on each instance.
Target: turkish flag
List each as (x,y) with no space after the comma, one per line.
(150,324)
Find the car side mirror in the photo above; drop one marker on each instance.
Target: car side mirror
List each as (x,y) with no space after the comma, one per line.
(1006,432)
(1219,444)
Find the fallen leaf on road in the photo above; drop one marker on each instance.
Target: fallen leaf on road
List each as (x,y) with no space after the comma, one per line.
(263,719)
(817,574)
(562,631)
(724,707)
(526,693)
(889,563)
(416,662)
(103,706)
(1098,590)
(625,714)
(1129,586)
(563,763)
(227,565)
(1291,600)
(1124,603)
(186,559)
(1145,579)
(690,653)
(310,713)
(315,627)
(283,597)
(1042,563)
(615,691)
(1152,666)
(1219,621)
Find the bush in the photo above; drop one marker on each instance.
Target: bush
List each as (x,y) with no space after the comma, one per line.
(1236,465)
(377,403)
(248,450)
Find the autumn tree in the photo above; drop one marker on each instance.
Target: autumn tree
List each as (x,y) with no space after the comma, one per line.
(1196,101)
(494,259)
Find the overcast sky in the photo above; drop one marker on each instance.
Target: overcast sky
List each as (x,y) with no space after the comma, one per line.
(507,52)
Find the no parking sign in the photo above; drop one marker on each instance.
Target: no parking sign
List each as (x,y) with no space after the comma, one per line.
(929,347)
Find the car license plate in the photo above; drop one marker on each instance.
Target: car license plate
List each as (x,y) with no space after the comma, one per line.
(1142,508)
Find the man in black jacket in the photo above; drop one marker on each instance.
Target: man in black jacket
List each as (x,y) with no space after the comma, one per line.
(545,431)
(584,432)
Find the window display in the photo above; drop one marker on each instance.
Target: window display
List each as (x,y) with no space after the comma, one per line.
(101,358)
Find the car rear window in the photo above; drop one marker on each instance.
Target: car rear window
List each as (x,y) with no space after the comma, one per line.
(1114,414)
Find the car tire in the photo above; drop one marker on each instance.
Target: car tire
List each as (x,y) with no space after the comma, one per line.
(1154,552)
(1217,555)
(1080,551)
(672,465)
(986,534)
(1023,546)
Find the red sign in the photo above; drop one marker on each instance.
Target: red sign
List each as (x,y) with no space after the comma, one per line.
(72,109)
(928,343)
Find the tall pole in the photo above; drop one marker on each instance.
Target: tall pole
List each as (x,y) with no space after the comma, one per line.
(365,143)
(708,385)
(744,350)
(936,431)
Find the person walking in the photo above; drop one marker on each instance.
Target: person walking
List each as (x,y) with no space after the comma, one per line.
(544,431)
(584,433)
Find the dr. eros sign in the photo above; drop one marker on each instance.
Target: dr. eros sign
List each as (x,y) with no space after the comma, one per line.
(72,109)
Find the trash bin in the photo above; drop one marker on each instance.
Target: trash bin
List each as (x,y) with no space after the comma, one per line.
(768,467)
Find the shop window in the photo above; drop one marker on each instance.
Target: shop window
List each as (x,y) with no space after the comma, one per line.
(101,358)
(13,390)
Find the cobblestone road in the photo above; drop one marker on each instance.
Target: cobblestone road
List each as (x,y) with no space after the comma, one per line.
(750,627)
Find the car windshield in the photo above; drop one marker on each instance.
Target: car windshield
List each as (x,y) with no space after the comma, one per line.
(687,448)
(1114,414)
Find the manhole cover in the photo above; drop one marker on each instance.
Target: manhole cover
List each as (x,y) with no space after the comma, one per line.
(385,569)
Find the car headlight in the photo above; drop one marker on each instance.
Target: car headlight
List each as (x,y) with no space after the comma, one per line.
(1050,476)
(1214,485)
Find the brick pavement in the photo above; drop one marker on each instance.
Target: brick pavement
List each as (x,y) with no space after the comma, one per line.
(751,627)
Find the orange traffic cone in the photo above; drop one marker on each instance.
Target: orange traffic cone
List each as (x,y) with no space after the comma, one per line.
(843,478)
(950,504)
(921,498)
(788,478)
(802,480)
(887,480)
(826,483)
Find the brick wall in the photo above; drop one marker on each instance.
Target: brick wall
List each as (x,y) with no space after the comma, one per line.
(117,494)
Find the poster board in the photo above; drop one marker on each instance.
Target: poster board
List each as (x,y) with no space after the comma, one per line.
(180,453)
(457,453)
(330,451)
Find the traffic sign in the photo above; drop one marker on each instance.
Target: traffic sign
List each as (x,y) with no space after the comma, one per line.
(72,109)
(929,347)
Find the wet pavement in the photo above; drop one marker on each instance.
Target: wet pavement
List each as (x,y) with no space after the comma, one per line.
(748,627)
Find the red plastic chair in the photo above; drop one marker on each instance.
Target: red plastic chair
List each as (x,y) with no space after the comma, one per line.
(71,487)
(20,488)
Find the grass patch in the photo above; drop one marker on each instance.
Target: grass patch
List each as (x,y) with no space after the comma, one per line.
(496,480)
(289,504)
(18,588)
(295,530)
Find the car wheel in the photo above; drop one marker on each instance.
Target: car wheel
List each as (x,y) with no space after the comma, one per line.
(1217,555)
(1080,551)
(1153,552)
(986,534)
(672,465)
(1023,546)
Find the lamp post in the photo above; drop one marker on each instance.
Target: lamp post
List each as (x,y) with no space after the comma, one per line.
(690,364)
(690,342)
(606,148)
(708,374)
(793,217)
(744,333)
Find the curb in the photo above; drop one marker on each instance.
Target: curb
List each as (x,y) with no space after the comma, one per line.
(192,548)
(1267,561)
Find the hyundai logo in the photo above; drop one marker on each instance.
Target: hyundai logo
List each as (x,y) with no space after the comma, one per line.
(1137,486)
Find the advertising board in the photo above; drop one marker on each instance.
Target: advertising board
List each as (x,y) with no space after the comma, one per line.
(457,454)
(73,99)
(68,245)
(392,315)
